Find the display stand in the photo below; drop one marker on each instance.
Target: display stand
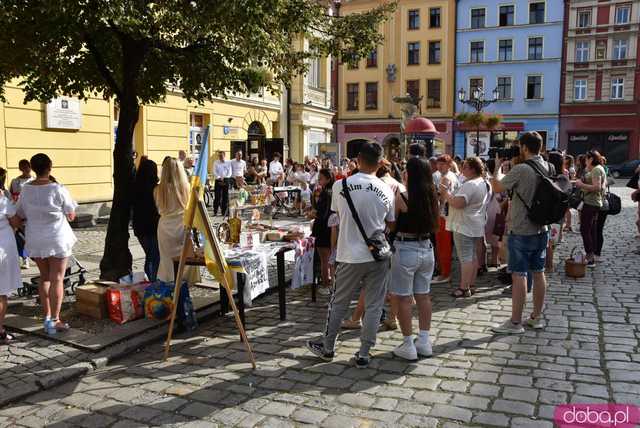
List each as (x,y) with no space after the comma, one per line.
(219,260)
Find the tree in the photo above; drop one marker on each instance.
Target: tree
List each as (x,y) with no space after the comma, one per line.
(135,50)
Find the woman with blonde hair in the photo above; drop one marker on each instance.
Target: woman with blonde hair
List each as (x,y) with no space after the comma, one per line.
(171,196)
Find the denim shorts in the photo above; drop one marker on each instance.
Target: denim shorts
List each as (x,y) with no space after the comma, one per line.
(466,247)
(527,253)
(412,268)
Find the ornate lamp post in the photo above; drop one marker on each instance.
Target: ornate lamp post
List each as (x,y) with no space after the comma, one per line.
(478,102)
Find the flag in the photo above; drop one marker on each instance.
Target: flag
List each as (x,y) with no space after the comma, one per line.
(198,181)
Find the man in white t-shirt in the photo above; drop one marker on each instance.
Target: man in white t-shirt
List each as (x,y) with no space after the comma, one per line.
(222,173)
(374,202)
(276,171)
(238,169)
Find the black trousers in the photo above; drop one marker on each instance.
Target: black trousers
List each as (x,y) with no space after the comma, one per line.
(221,195)
(602,218)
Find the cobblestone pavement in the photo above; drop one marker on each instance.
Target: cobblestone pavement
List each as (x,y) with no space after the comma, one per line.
(588,352)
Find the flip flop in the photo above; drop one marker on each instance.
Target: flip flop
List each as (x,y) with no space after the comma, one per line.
(6,338)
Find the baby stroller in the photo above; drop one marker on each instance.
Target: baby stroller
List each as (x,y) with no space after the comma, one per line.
(74,276)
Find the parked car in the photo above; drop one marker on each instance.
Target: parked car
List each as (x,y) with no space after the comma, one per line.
(626,169)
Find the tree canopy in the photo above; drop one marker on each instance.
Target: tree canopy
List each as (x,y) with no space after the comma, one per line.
(137,50)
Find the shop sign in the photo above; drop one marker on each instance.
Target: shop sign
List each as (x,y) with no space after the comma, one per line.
(618,137)
(64,113)
(484,142)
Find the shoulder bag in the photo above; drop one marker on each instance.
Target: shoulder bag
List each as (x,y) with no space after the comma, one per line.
(377,243)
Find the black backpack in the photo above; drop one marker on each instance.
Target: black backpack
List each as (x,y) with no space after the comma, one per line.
(549,202)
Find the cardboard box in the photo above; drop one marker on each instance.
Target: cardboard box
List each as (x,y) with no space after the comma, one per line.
(91,300)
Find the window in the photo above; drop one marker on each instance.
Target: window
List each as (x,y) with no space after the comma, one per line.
(617,88)
(584,18)
(313,75)
(475,83)
(582,51)
(534,87)
(477,52)
(352,61)
(580,89)
(478,18)
(372,96)
(413,53)
(535,48)
(601,49)
(506,15)
(434,52)
(505,50)
(433,93)
(504,88)
(413,88)
(619,49)
(352,96)
(622,14)
(372,59)
(434,17)
(536,13)
(414,19)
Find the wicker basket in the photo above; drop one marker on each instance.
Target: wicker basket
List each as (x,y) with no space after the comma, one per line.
(574,269)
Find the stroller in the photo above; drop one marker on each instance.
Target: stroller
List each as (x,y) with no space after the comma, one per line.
(74,276)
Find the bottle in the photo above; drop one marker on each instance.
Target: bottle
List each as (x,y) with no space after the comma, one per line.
(235,225)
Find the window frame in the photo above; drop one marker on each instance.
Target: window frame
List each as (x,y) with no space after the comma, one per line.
(406,86)
(526,88)
(626,49)
(620,85)
(372,55)
(577,49)
(510,50)
(500,6)
(469,87)
(314,73)
(510,98)
(367,106)
(356,105)
(619,7)
(529,48)
(409,53)
(584,88)
(439,50)
(544,12)
(409,19)
(471,42)
(439,9)
(588,11)
(435,105)
(484,18)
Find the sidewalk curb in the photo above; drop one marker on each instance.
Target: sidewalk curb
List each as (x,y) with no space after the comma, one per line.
(95,363)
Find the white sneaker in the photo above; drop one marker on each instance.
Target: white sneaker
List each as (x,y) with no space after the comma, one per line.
(424,348)
(324,291)
(441,280)
(407,351)
(535,323)
(24,263)
(508,328)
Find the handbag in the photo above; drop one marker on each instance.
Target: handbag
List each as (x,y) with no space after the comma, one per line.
(633,183)
(614,203)
(377,243)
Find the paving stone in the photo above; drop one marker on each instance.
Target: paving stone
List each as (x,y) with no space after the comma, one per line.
(339,421)
(528,395)
(357,400)
(491,419)
(516,380)
(451,412)
(516,407)
(418,421)
(485,390)
(278,409)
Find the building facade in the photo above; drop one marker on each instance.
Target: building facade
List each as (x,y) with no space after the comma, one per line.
(416,57)
(82,153)
(600,92)
(512,46)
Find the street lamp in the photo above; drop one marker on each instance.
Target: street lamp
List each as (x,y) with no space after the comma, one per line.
(478,102)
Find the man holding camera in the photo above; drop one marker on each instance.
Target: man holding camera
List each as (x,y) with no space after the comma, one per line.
(527,240)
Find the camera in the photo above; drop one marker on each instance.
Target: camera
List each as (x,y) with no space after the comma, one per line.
(504,152)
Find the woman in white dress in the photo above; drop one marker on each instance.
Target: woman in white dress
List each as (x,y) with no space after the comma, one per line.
(9,266)
(171,196)
(47,208)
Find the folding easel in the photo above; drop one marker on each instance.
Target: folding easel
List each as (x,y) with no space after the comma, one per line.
(225,273)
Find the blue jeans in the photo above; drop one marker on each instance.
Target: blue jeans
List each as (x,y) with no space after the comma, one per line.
(149,244)
(527,253)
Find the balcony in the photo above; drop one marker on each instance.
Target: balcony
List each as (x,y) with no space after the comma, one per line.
(316,97)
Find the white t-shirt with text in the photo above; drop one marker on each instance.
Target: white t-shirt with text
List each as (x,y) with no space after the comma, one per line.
(374,201)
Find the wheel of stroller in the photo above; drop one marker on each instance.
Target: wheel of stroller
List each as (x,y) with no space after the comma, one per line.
(81,279)
(207,198)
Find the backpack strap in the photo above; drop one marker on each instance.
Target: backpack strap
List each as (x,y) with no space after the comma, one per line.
(352,208)
(536,168)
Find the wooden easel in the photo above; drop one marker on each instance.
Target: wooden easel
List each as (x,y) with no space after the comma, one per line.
(220,261)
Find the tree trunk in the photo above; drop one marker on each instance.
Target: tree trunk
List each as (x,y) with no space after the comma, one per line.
(116,260)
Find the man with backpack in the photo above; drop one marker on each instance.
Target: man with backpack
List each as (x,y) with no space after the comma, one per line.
(535,202)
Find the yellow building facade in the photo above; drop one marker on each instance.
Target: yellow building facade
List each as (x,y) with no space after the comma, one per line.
(418,57)
(82,158)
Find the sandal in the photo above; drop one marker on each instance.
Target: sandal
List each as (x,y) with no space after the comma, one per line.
(60,326)
(472,289)
(461,292)
(6,338)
